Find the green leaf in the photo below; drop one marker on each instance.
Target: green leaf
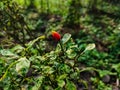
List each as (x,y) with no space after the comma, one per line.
(65,68)
(66,38)
(61,77)
(47,87)
(105,72)
(101,72)
(8,53)
(47,69)
(38,83)
(61,83)
(31,43)
(70,62)
(70,85)
(17,49)
(74,75)
(88,69)
(70,53)
(23,65)
(116,67)
(90,47)
(58,88)
(60,80)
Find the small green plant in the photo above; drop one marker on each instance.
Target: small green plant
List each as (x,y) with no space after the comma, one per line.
(50,70)
(32,57)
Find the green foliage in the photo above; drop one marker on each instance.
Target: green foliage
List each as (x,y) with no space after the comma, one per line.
(31,60)
(49,68)
(101,85)
(70,85)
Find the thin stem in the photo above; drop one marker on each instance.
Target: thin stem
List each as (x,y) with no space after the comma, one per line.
(47,6)
(76,58)
(62,47)
(78,55)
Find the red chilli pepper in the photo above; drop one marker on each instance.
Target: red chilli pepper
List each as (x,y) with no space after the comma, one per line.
(56,35)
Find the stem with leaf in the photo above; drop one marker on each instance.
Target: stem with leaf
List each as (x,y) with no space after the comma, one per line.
(62,47)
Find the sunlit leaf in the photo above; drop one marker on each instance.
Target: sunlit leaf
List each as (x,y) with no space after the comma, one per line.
(61,83)
(63,76)
(90,47)
(23,64)
(17,49)
(8,53)
(70,53)
(66,38)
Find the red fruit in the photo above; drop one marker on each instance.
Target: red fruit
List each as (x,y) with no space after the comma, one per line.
(56,35)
